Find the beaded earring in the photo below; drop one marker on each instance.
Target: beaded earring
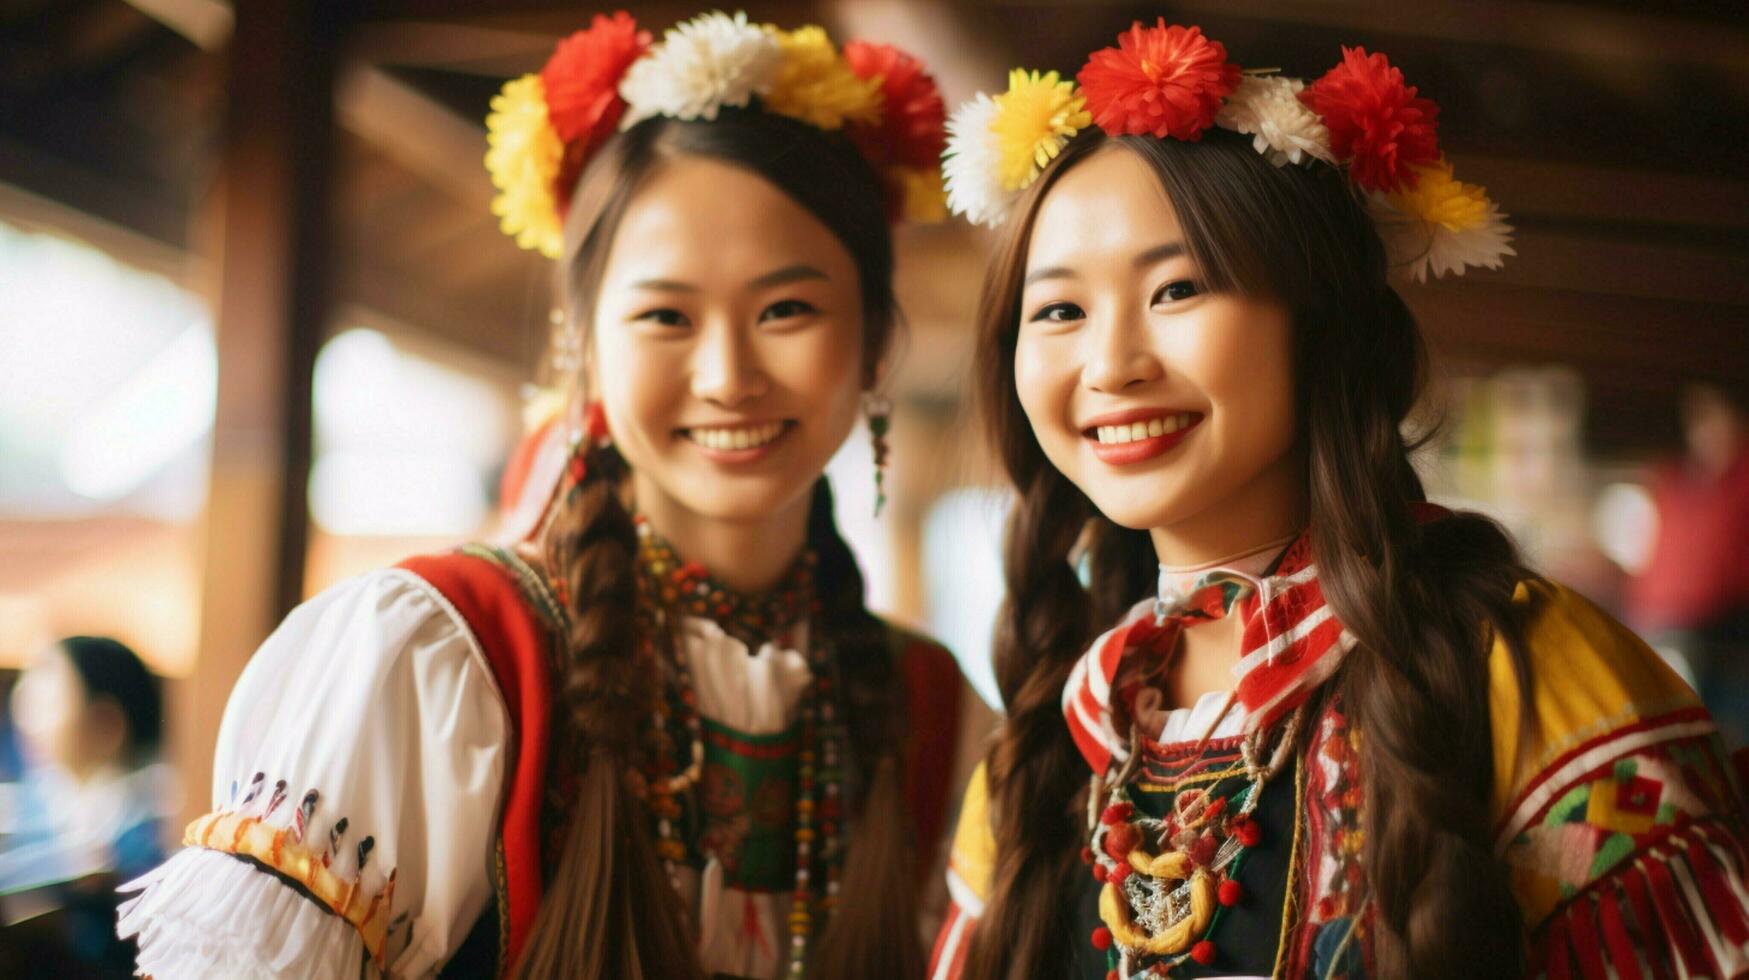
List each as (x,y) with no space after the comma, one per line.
(879,410)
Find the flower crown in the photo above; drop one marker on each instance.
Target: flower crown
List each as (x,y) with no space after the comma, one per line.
(1171,81)
(545,127)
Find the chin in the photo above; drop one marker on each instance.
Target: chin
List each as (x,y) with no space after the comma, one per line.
(1137,515)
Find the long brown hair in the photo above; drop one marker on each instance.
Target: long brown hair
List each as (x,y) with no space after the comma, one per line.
(609,911)
(1421,598)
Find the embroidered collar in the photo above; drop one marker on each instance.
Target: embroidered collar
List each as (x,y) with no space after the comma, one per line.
(1291,642)
(687,588)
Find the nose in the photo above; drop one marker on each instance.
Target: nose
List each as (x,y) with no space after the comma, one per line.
(725,367)
(1118,356)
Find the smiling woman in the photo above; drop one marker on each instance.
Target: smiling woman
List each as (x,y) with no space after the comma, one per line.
(1328,729)
(663,736)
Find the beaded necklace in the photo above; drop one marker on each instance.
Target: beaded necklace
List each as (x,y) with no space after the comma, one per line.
(1167,881)
(670,588)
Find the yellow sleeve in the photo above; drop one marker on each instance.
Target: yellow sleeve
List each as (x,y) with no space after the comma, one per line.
(1615,810)
(1593,682)
(972,860)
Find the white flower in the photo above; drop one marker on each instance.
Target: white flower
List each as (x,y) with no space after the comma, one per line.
(1283,129)
(702,65)
(1419,246)
(970,166)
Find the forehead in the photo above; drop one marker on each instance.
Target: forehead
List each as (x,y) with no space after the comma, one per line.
(1108,206)
(708,214)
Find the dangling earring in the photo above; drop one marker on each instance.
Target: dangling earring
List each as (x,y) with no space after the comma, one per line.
(879,411)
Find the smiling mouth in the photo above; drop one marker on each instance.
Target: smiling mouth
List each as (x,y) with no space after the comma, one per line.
(736,438)
(1163,425)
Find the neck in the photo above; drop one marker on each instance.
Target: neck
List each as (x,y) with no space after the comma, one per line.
(749,556)
(1268,509)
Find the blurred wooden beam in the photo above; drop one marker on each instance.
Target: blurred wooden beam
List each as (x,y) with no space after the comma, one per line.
(1608,194)
(205,22)
(427,139)
(270,218)
(1482,323)
(465,48)
(1634,267)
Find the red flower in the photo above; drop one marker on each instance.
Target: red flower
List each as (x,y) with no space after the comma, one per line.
(1377,123)
(1167,81)
(913,127)
(582,87)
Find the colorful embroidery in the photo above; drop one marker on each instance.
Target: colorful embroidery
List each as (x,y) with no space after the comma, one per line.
(1331,936)
(1607,815)
(244,834)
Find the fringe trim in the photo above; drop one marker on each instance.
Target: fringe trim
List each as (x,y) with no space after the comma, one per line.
(234,833)
(1677,909)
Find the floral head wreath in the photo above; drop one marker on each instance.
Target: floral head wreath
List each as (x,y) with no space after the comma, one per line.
(545,127)
(1171,81)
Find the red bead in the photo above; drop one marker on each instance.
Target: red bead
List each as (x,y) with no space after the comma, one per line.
(1117,813)
(1086,855)
(1202,850)
(1247,831)
(1231,892)
(1099,872)
(1121,840)
(1117,875)
(1102,938)
(1203,952)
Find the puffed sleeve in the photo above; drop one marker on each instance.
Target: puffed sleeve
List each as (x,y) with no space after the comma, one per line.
(1618,815)
(356,789)
(970,863)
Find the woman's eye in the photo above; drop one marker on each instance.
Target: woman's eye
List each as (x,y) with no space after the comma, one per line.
(1059,313)
(785,309)
(664,316)
(1178,289)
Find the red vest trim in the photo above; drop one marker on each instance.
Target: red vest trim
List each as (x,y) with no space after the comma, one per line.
(518,647)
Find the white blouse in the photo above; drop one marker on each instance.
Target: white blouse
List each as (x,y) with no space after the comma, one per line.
(375,697)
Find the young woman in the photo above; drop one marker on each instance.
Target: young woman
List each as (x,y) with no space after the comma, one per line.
(665,738)
(1343,733)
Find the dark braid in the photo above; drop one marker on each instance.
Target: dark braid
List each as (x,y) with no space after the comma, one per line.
(1034,773)
(873,933)
(611,912)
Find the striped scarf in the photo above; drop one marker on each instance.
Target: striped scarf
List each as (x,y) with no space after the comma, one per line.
(1291,643)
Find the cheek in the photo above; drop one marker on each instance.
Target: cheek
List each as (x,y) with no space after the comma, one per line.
(1246,370)
(1044,380)
(638,385)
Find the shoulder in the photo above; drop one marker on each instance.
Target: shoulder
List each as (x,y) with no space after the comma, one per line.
(1618,753)
(1594,684)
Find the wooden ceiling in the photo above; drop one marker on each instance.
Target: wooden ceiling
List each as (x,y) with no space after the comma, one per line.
(1617,137)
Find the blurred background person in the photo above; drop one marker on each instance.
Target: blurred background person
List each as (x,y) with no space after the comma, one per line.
(1692,597)
(86,809)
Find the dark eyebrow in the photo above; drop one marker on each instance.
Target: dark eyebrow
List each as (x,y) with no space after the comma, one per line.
(1048,272)
(1160,253)
(788,274)
(665,286)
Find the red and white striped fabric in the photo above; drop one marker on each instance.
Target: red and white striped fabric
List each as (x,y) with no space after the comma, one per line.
(1292,642)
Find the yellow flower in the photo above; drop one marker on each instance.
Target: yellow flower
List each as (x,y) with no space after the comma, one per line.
(1034,118)
(925,199)
(815,85)
(1439,200)
(522,157)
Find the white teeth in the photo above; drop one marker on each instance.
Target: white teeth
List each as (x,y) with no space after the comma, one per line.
(1112,435)
(750,437)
